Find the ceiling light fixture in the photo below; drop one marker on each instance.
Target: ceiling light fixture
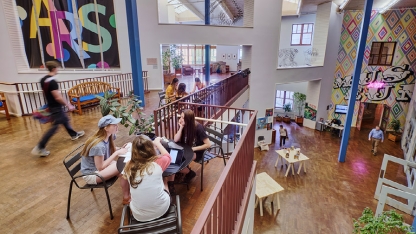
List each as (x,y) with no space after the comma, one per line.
(388,6)
(343,4)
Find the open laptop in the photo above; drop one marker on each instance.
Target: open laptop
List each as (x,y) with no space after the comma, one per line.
(176,157)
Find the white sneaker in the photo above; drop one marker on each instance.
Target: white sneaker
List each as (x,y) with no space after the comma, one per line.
(79,134)
(40,152)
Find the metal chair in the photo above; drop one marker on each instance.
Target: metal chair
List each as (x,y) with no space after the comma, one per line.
(216,138)
(162,98)
(171,222)
(72,163)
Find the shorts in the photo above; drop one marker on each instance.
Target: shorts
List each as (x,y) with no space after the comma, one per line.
(90,179)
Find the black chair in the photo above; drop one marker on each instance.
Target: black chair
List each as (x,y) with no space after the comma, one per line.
(72,163)
(162,99)
(171,222)
(216,138)
(260,138)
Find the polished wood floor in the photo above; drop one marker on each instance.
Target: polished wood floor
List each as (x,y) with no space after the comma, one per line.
(34,190)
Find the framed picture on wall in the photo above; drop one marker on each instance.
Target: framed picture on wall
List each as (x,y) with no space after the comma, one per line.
(234,56)
(228,56)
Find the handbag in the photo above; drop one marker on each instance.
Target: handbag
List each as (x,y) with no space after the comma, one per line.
(42,114)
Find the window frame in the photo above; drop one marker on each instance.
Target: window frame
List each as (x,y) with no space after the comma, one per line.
(301,34)
(285,99)
(381,54)
(189,53)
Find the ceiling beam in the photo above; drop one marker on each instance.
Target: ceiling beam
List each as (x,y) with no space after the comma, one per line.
(191,7)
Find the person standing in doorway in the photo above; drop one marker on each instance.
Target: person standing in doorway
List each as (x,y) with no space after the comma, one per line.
(283,135)
(55,103)
(376,135)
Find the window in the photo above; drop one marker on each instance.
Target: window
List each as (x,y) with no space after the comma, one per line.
(381,53)
(283,97)
(195,54)
(301,34)
(240,53)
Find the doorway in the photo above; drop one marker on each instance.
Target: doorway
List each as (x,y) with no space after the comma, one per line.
(371,116)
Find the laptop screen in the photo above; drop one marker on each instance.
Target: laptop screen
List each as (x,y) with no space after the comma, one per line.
(173,155)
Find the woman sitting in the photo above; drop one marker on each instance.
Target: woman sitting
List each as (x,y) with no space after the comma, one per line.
(181,91)
(198,85)
(193,134)
(149,195)
(99,155)
(171,90)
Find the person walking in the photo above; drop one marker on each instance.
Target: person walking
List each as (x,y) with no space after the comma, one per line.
(283,135)
(376,135)
(55,103)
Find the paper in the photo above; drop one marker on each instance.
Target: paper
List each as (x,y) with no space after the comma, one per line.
(126,156)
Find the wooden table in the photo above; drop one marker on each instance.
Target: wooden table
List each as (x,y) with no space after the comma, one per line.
(291,160)
(266,186)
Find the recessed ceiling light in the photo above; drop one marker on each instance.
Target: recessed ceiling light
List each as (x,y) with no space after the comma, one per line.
(388,6)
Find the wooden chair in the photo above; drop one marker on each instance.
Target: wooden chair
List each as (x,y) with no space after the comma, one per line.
(72,163)
(162,100)
(3,105)
(171,222)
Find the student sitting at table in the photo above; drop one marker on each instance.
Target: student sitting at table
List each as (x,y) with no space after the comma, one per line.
(335,122)
(181,91)
(171,90)
(99,155)
(149,192)
(198,85)
(193,134)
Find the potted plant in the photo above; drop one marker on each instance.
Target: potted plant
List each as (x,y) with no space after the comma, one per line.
(166,61)
(396,134)
(288,108)
(299,99)
(386,223)
(132,115)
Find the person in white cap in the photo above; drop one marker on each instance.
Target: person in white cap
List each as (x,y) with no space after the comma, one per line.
(99,155)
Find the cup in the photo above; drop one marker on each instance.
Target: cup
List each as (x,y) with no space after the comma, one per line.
(293,147)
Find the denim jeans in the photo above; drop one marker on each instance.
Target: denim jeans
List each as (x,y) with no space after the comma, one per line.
(58,117)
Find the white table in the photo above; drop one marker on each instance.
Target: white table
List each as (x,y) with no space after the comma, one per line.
(291,160)
(340,128)
(266,186)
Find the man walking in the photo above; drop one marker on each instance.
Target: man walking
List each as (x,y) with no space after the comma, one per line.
(283,135)
(376,135)
(55,103)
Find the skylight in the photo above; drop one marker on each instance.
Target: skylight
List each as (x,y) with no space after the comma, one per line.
(179,7)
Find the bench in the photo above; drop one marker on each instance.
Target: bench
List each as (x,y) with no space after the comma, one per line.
(83,95)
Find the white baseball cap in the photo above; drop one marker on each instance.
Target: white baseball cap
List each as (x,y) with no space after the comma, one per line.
(108,119)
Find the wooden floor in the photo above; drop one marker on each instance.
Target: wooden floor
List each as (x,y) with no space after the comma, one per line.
(34,190)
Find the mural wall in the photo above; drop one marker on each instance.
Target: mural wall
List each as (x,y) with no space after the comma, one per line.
(390,85)
(78,33)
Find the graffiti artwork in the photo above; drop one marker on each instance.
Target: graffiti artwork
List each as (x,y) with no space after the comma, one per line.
(378,85)
(288,55)
(79,33)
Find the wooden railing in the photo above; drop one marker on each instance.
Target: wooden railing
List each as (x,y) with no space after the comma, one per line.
(226,207)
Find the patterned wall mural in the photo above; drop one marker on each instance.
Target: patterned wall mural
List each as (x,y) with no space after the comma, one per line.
(79,33)
(391,85)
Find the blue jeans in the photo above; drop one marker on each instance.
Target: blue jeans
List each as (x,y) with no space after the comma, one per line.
(58,117)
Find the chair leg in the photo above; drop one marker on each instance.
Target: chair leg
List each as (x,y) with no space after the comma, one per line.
(223,157)
(92,189)
(109,203)
(202,175)
(69,199)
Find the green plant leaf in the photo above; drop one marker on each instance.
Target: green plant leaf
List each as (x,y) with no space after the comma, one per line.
(132,129)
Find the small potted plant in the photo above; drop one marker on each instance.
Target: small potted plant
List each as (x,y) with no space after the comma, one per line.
(396,134)
(388,222)
(288,108)
(299,99)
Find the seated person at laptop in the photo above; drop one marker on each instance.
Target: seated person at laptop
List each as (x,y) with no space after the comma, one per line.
(100,154)
(149,192)
(198,85)
(193,134)
(335,122)
(181,91)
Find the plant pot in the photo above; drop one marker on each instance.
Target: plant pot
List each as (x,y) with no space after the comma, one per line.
(178,71)
(394,137)
(299,120)
(279,118)
(286,119)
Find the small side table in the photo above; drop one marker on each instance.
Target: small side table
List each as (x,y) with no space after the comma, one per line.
(266,186)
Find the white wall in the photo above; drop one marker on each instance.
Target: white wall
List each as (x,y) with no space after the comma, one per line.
(321,31)
(312,97)
(301,87)
(223,49)
(285,37)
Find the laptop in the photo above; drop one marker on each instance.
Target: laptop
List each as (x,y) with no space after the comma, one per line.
(176,157)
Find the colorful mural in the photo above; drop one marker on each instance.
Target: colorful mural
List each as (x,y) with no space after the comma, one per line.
(77,32)
(390,85)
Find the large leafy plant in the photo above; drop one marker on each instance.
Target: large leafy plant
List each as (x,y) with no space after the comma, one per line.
(132,115)
(395,125)
(299,99)
(388,222)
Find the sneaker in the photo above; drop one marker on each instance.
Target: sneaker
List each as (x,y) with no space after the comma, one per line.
(79,134)
(188,177)
(372,150)
(171,187)
(374,154)
(40,152)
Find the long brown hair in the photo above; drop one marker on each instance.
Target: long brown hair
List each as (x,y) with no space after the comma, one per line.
(142,155)
(188,132)
(99,136)
(182,90)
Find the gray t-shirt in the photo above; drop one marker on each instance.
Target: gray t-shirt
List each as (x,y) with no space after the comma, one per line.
(87,161)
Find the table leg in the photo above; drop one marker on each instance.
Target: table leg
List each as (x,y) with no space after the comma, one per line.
(278,201)
(287,170)
(304,167)
(277,160)
(257,202)
(339,135)
(261,206)
(293,169)
(300,166)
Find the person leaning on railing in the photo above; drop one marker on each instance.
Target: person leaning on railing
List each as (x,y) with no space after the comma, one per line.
(171,90)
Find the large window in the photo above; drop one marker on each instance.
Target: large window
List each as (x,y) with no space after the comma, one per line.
(195,54)
(301,34)
(283,98)
(76,33)
(381,53)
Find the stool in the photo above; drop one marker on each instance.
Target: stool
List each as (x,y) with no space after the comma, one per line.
(266,186)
